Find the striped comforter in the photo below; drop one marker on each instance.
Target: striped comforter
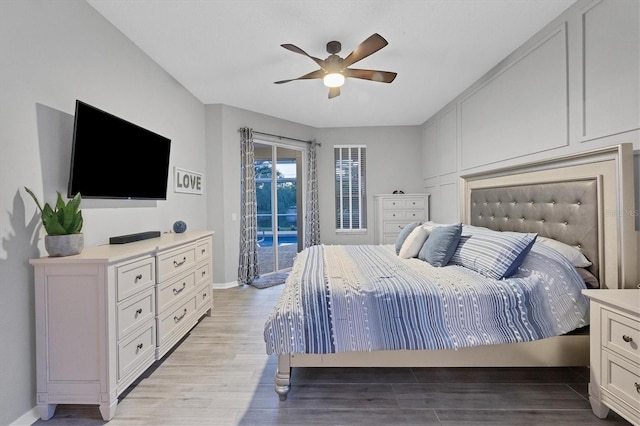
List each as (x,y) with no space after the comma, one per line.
(366,298)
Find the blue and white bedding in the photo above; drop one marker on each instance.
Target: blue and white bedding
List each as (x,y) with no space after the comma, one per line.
(366,298)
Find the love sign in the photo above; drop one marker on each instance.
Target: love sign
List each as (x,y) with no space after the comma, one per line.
(187,181)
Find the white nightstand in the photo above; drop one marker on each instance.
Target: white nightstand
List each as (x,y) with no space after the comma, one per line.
(615,356)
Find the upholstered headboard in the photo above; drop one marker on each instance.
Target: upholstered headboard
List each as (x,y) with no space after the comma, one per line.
(565,211)
(580,199)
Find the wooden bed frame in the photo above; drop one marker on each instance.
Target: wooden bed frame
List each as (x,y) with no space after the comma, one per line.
(612,169)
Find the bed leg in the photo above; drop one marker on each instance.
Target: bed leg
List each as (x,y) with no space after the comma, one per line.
(283,377)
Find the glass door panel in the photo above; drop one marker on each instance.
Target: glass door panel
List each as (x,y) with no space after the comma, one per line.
(279,233)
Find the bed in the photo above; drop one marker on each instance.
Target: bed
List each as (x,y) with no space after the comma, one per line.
(357,306)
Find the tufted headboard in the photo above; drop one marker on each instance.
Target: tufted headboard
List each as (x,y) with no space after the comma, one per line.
(566,211)
(581,199)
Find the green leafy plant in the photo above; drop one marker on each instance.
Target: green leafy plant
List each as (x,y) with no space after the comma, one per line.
(65,219)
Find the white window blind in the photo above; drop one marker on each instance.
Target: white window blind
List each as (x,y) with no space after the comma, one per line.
(351,188)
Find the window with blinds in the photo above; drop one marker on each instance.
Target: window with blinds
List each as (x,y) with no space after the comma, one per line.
(351,188)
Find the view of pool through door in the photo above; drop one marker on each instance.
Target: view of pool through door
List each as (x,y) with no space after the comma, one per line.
(279,222)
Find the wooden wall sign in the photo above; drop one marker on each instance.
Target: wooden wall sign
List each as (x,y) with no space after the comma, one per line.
(187,181)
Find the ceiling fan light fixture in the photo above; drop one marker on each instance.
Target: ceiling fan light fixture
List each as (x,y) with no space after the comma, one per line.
(333,79)
(334,69)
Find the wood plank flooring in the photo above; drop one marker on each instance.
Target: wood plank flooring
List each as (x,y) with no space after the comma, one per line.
(220,375)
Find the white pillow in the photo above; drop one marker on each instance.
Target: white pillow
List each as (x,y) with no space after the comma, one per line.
(414,242)
(573,254)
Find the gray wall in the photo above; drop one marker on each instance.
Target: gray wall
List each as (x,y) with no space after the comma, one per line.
(391,164)
(52,54)
(572,87)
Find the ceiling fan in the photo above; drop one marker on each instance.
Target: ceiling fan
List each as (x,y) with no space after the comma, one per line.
(334,69)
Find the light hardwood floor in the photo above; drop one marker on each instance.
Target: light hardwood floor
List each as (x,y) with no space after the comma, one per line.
(220,375)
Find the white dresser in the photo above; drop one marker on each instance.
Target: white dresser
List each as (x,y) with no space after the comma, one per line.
(615,356)
(392,212)
(105,315)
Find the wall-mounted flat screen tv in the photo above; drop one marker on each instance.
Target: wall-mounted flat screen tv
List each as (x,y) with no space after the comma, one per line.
(113,158)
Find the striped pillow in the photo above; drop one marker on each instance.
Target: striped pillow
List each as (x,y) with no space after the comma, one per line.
(494,254)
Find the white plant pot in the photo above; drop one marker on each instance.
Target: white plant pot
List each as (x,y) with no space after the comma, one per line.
(64,245)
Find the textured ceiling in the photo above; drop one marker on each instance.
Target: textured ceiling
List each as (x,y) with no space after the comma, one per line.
(228,52)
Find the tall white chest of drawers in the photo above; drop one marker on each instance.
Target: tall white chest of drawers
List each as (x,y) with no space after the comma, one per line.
(392,212)
(105,315)
(614,353)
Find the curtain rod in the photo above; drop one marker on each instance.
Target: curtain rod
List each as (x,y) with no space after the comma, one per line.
(285,137)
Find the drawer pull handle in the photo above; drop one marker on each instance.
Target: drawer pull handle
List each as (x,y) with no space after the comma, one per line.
(204,295)
(178,319)
(637,387)
(138,278)
(204,273)
(203,251)
(176,264)
(138,312)
(140,345)
(178,291)
(627,339)
(399,226)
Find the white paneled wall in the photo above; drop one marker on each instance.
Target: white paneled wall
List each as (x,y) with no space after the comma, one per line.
(520,110)
(611,70)
(574,86)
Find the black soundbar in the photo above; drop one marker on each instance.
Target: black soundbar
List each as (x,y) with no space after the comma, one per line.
(123,239)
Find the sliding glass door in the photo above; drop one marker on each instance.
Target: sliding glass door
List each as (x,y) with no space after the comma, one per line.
(279,205)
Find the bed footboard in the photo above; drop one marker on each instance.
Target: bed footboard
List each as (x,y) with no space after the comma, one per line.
(571,350)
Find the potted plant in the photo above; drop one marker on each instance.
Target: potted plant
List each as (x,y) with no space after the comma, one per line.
(63,225)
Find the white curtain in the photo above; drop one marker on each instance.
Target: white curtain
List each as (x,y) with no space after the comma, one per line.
(312,210)
(248,262)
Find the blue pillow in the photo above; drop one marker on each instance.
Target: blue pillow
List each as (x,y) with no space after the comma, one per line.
(441,244)
(404,234)
(494,254)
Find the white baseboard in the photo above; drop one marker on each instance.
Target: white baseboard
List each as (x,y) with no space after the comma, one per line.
(27,419)
(222,286)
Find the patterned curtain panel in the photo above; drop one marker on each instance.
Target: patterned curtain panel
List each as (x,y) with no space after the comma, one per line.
(312,211)
(248,262)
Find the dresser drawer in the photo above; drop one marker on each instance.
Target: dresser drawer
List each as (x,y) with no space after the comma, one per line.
(176,261)
(203,249)
(136,352)
(406,215)
(621,335)
(203,273)
(134,277)
(621,378)
(393,214)
(203,296)
(414,215)
(176,318)
(394,227)
(134,312)
(404,203)
(414,203)
(176,289)
(393,204)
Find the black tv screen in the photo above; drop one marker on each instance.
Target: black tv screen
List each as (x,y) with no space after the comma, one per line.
(113,158)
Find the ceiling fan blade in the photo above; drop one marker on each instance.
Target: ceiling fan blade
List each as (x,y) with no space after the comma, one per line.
(311,75)
(333,92)
(373,75)
(296,49)
(366,48)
